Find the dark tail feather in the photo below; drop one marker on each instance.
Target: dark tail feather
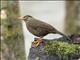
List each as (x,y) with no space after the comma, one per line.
(64,35)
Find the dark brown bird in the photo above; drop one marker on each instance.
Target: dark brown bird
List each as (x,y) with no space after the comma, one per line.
(39,28)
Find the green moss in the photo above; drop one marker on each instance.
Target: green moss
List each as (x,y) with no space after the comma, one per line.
(61,49)
(37,58)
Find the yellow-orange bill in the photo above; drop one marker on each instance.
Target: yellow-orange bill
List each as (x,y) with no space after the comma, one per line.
(21,18)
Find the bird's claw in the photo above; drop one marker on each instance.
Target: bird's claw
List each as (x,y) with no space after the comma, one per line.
(37,42)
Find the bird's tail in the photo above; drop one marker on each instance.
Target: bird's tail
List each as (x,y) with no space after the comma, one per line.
(64,35)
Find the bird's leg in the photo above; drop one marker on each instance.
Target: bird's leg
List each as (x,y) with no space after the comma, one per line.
(37,42)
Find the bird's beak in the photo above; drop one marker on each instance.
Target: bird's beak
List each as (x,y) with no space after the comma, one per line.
(21,18)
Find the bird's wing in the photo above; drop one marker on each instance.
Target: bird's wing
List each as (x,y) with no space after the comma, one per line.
(37,24)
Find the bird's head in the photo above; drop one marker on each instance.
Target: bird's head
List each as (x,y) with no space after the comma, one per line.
(25,18)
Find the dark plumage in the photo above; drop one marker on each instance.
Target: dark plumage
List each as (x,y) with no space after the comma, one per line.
(39,28)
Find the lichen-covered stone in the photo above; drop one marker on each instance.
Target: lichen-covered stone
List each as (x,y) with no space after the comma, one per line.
(56,49)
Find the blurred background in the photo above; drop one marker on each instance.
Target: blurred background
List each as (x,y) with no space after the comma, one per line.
(16,39)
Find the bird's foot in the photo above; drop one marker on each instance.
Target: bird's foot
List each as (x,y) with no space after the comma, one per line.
(37,42)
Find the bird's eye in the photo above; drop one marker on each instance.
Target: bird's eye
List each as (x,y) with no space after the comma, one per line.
(24,16)
(29,16)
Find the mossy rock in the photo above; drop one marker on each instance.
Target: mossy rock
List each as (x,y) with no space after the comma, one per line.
(57,49)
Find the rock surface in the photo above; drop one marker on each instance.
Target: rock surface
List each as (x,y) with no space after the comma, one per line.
(39,53)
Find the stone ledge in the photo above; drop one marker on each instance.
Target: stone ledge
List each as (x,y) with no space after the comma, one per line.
(57,49)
